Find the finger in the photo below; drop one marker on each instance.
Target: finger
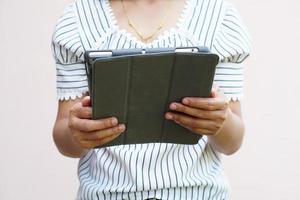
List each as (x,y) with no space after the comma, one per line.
(108,139)
(99,135)
(191,121)
(86,101)
(84,112)
(206,103)
(98,143)
(80,111)
(88,125)
(199,131)
(198,113)
(214,92)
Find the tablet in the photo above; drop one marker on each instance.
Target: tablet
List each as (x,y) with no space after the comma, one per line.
(137,85)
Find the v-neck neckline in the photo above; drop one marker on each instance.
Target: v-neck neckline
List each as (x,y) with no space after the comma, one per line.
(177,27)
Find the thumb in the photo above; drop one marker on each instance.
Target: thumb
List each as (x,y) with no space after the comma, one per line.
(86,101)
(214,91)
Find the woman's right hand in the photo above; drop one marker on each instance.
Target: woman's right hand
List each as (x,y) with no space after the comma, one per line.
(90,133)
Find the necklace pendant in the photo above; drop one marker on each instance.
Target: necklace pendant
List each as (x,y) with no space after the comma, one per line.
(142,37)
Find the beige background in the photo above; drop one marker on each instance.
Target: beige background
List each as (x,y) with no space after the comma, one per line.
(267,167)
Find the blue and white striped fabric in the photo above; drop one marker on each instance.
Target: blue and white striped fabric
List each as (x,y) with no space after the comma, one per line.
(163,171)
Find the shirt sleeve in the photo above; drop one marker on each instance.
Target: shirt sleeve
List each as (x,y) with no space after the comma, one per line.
(67,49)
(232,43)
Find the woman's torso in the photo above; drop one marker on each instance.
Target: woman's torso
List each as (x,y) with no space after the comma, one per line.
(164,171)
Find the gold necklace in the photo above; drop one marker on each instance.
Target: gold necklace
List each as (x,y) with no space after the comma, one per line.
(147,37)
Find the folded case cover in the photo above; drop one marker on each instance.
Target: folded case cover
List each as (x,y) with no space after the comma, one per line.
(137,86)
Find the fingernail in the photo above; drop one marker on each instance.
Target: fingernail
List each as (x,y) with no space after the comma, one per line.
(173,106)
(185,101)
(121,127)
(169,116)
(114,121)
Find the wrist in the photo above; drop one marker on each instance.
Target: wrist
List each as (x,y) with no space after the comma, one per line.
(80,150)
(228,119)
(228,138)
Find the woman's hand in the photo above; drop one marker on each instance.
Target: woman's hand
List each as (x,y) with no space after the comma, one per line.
(204,116)
(90,133)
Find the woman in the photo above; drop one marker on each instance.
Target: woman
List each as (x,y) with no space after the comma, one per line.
(154,170)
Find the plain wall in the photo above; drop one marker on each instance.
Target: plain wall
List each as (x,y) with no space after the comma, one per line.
(267,166)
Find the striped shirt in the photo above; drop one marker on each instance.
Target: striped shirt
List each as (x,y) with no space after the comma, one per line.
(154,170)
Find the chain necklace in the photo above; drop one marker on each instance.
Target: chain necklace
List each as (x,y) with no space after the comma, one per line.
(143,37)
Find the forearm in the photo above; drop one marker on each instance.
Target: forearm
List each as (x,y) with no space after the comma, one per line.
(229,138)
(64,140)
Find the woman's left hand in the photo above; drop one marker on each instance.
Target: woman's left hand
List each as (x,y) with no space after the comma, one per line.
(204,116)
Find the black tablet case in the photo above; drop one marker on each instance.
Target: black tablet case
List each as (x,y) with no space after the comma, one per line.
(137,88)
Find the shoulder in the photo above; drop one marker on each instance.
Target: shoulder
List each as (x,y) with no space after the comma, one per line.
(65,37)
(212,7)
(65,21)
